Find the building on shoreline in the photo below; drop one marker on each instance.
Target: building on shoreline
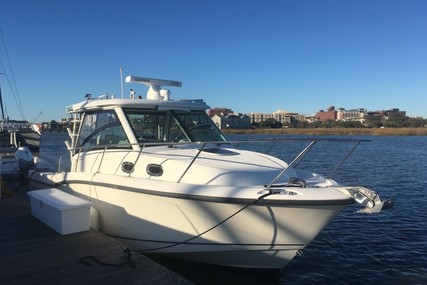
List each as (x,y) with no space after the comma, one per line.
(341,114)
(358,114)
(227,118)
(232,121)
(330,114)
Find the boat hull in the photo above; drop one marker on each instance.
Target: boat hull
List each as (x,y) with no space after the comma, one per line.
(26,138)
(240,232)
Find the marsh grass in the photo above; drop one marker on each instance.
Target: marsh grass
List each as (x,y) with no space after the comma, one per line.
(336,131)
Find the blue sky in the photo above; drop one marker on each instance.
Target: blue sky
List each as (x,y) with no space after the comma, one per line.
(250,56)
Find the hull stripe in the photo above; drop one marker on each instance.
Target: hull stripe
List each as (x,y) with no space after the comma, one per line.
(227,200)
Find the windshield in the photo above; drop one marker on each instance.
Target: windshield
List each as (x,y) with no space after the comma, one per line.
(172,126)
(198,127)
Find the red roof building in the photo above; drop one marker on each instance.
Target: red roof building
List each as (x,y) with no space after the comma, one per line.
(330,114)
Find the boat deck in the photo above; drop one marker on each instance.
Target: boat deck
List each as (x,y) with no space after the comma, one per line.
(33,253)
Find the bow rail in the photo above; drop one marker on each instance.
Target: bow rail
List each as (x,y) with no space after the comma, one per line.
(201,146)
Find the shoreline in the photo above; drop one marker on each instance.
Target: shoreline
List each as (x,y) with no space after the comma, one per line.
(334,131)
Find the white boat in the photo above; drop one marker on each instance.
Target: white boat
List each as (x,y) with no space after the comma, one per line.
(20,133)
(164,180)
(15,162)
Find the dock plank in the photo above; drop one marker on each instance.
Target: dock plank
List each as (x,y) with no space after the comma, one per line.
(33,253)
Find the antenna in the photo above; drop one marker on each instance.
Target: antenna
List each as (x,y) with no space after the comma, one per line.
(121,81)
(155,92)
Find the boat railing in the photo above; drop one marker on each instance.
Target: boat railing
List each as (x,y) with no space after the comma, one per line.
(307,147)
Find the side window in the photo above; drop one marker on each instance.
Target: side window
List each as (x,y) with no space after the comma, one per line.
(102,129)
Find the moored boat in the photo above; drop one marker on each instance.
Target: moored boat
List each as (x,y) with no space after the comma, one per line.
(15,162)
(20,133)
(164,180)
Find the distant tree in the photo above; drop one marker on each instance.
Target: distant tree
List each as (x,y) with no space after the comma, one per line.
(316,124)
(302,124)
(270,123)
(329,123)
(374,121)
(349,124)
(287,125)
(395,120)
(414,122)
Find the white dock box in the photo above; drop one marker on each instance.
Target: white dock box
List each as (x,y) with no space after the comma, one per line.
(61,211)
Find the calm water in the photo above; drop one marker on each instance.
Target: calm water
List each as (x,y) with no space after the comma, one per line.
(386,248)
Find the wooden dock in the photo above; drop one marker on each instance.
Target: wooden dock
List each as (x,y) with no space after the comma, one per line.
(33,253)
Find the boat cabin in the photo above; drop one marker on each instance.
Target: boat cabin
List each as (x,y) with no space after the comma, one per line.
(135,123)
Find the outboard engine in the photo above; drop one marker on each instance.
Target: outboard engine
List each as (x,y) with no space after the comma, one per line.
(25,159)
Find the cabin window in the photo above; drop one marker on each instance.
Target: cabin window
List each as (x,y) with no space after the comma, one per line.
(199,127)
(153,126)
(172,126)
(102,129)
(147,126)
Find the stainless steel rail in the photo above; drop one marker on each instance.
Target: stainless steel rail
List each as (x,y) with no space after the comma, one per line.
(201,146)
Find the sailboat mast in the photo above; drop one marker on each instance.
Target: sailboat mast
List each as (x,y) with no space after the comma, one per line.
(1,101)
